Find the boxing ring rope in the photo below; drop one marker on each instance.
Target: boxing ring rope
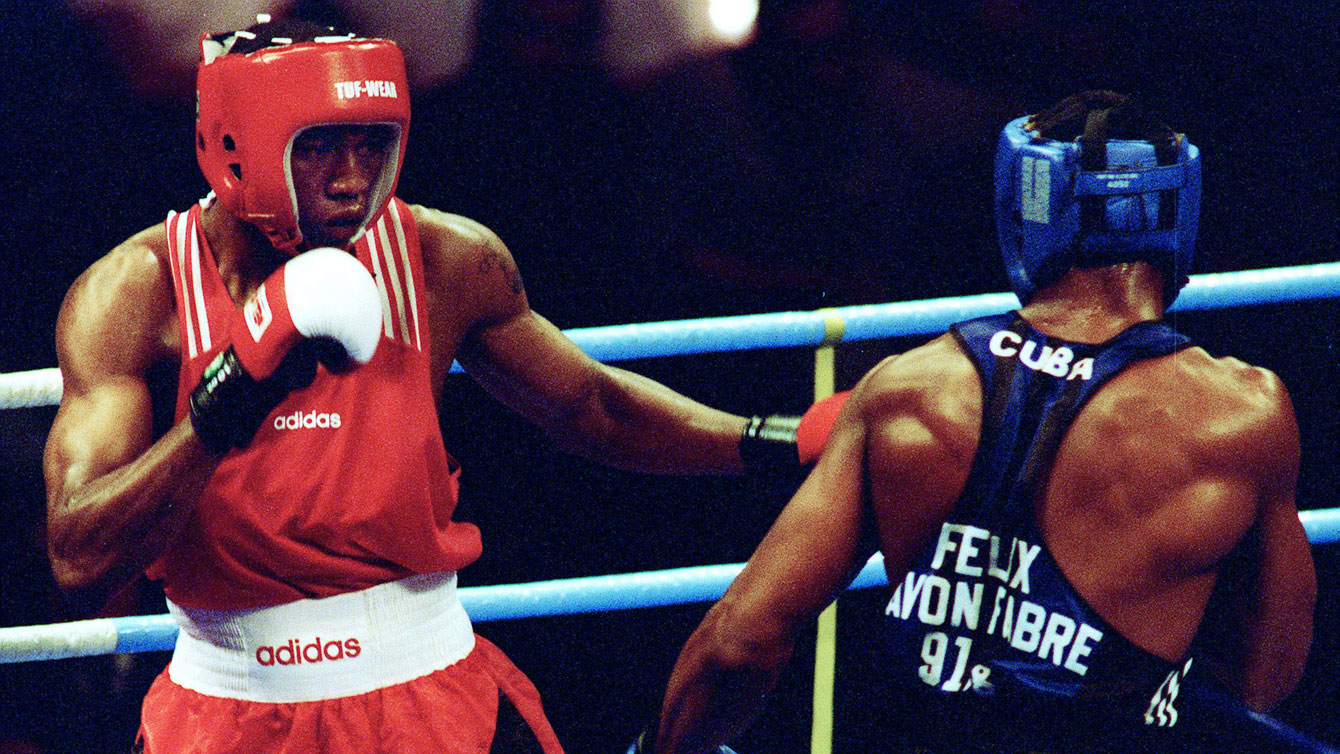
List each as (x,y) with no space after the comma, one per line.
(819,329)
(1277,285)
(577,596)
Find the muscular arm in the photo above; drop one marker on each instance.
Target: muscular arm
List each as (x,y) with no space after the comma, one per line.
(894,454)
(898,456)
(601,412)
(734,657)
(1276,619)
(115,497)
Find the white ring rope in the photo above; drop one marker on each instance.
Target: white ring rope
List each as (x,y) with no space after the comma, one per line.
(39,387)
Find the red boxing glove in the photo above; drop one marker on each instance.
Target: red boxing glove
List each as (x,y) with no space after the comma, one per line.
(321,293)
(817,424)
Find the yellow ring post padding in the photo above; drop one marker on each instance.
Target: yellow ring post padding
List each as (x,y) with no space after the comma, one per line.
(825,660)
(825,644)
(834,328)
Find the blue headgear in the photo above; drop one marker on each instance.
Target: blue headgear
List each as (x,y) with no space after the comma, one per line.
(1092,202)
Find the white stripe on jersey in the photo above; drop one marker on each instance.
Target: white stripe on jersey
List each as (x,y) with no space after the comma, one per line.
(391,265)
(177,237)
(387,325)
(205,342)
(409,274)
(171,225)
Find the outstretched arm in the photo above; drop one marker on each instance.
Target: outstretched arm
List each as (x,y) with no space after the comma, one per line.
(595,410)
(608,414)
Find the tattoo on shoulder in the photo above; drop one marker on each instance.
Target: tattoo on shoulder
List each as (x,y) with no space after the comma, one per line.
(492,260)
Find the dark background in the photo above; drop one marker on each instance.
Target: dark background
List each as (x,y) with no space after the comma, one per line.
(841,157)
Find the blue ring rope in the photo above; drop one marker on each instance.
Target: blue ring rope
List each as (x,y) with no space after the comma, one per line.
(685,337)
(590,594)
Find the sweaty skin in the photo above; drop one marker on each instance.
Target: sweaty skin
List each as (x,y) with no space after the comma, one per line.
(117,496)
(1146,499)
(333,169)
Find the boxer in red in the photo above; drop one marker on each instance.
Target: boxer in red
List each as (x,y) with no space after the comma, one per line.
(298,513)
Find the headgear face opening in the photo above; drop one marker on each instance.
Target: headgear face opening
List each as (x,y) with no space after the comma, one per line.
(251,106)
(1094,202)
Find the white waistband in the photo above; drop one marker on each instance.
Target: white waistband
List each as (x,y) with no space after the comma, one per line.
(323,648)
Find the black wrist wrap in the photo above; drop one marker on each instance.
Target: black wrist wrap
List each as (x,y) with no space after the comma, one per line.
(769,443)
(229,405)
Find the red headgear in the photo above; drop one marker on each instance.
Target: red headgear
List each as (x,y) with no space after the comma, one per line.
(251,106)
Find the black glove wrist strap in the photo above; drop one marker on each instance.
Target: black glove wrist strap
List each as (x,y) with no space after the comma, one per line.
(769,443)
(229,405)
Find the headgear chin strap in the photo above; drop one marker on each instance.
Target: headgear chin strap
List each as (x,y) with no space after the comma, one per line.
(251,106)
(1095,201)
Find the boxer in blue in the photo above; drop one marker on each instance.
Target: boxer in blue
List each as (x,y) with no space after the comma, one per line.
(1063,495)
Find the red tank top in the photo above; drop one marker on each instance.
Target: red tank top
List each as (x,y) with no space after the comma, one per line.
(347,483)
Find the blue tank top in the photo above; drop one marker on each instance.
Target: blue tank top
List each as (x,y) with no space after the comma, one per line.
(984,619)
(989,648)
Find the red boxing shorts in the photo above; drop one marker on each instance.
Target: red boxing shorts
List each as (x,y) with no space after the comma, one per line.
(395,668)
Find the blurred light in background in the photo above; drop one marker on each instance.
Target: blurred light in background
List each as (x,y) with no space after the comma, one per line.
(733,20)
(157,42)
(645,37)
